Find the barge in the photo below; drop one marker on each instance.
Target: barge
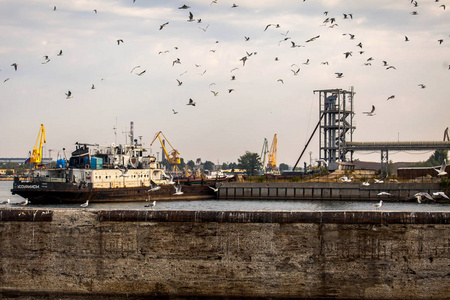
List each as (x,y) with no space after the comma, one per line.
(105,174)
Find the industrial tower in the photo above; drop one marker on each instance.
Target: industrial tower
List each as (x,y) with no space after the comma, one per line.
(336,125)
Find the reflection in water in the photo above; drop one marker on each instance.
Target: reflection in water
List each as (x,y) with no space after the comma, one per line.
(234,205)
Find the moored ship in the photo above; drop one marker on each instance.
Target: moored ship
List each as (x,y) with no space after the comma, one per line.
(105,174)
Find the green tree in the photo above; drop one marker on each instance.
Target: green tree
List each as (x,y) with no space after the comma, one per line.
(191,164)
(208,165)
(224,166)
(283,167)
(436,159)
(250,162)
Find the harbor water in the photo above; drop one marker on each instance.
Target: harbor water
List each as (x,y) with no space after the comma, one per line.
(235,205)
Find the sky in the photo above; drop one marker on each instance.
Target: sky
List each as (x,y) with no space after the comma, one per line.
(220,128)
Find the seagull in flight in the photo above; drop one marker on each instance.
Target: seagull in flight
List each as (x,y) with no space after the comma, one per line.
(174,112)
(419,196)
(60,53)
(68,95)
(141,73)
(296,72)
(153,186)
(384,194)
(134,68)
(191,17)
(184,7)
(163,25)
(370,113)
(313,39)
(179,82)
(191,102)
(15,66)
(378,180)
(119,41)
(170,181)
(441,194)
(178,190)
(441,171)
(214,189)
(124,172)
(422,85)
(390,97)
(339,75)
(276,25)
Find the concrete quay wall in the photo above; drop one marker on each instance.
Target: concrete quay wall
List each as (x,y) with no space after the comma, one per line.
(322,191)
(68,253)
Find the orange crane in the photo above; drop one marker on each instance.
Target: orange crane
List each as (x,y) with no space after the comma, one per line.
(36,155)
(172,156)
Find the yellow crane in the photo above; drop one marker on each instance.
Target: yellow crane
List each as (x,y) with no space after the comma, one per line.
(172,156)
(36,156)
(272,156)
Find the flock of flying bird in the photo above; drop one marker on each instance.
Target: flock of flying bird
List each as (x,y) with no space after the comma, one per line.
(329,21)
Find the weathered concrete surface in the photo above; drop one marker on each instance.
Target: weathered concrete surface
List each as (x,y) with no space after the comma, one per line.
(88,253)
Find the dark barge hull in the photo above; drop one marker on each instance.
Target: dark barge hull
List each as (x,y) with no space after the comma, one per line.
(52,192)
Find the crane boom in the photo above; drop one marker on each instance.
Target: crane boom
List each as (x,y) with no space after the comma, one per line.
(272,157)
(264,151)
(36,155)
(173,156)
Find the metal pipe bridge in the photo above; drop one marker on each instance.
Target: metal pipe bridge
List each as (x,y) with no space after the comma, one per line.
(384,147)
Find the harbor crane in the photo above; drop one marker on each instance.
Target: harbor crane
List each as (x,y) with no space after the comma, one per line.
(264,151)
(36,155)
(272,157)
(173,156)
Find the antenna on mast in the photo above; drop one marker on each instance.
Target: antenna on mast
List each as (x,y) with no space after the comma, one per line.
(115,133)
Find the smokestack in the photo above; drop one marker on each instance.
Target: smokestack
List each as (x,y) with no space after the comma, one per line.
(132,132)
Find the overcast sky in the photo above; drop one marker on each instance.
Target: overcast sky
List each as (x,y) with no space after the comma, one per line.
(220,128)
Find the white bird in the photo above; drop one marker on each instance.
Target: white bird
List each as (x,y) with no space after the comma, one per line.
(151,205)
(378,180)
(84,205)
(370,113)
(154,186)
(384,194)
(23,203)
(378,205)
(441,171)
(422,194)
(440,194)
(214,189)
(124,172)
(366,183)
(170,180)
(345,179)
(178,190)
